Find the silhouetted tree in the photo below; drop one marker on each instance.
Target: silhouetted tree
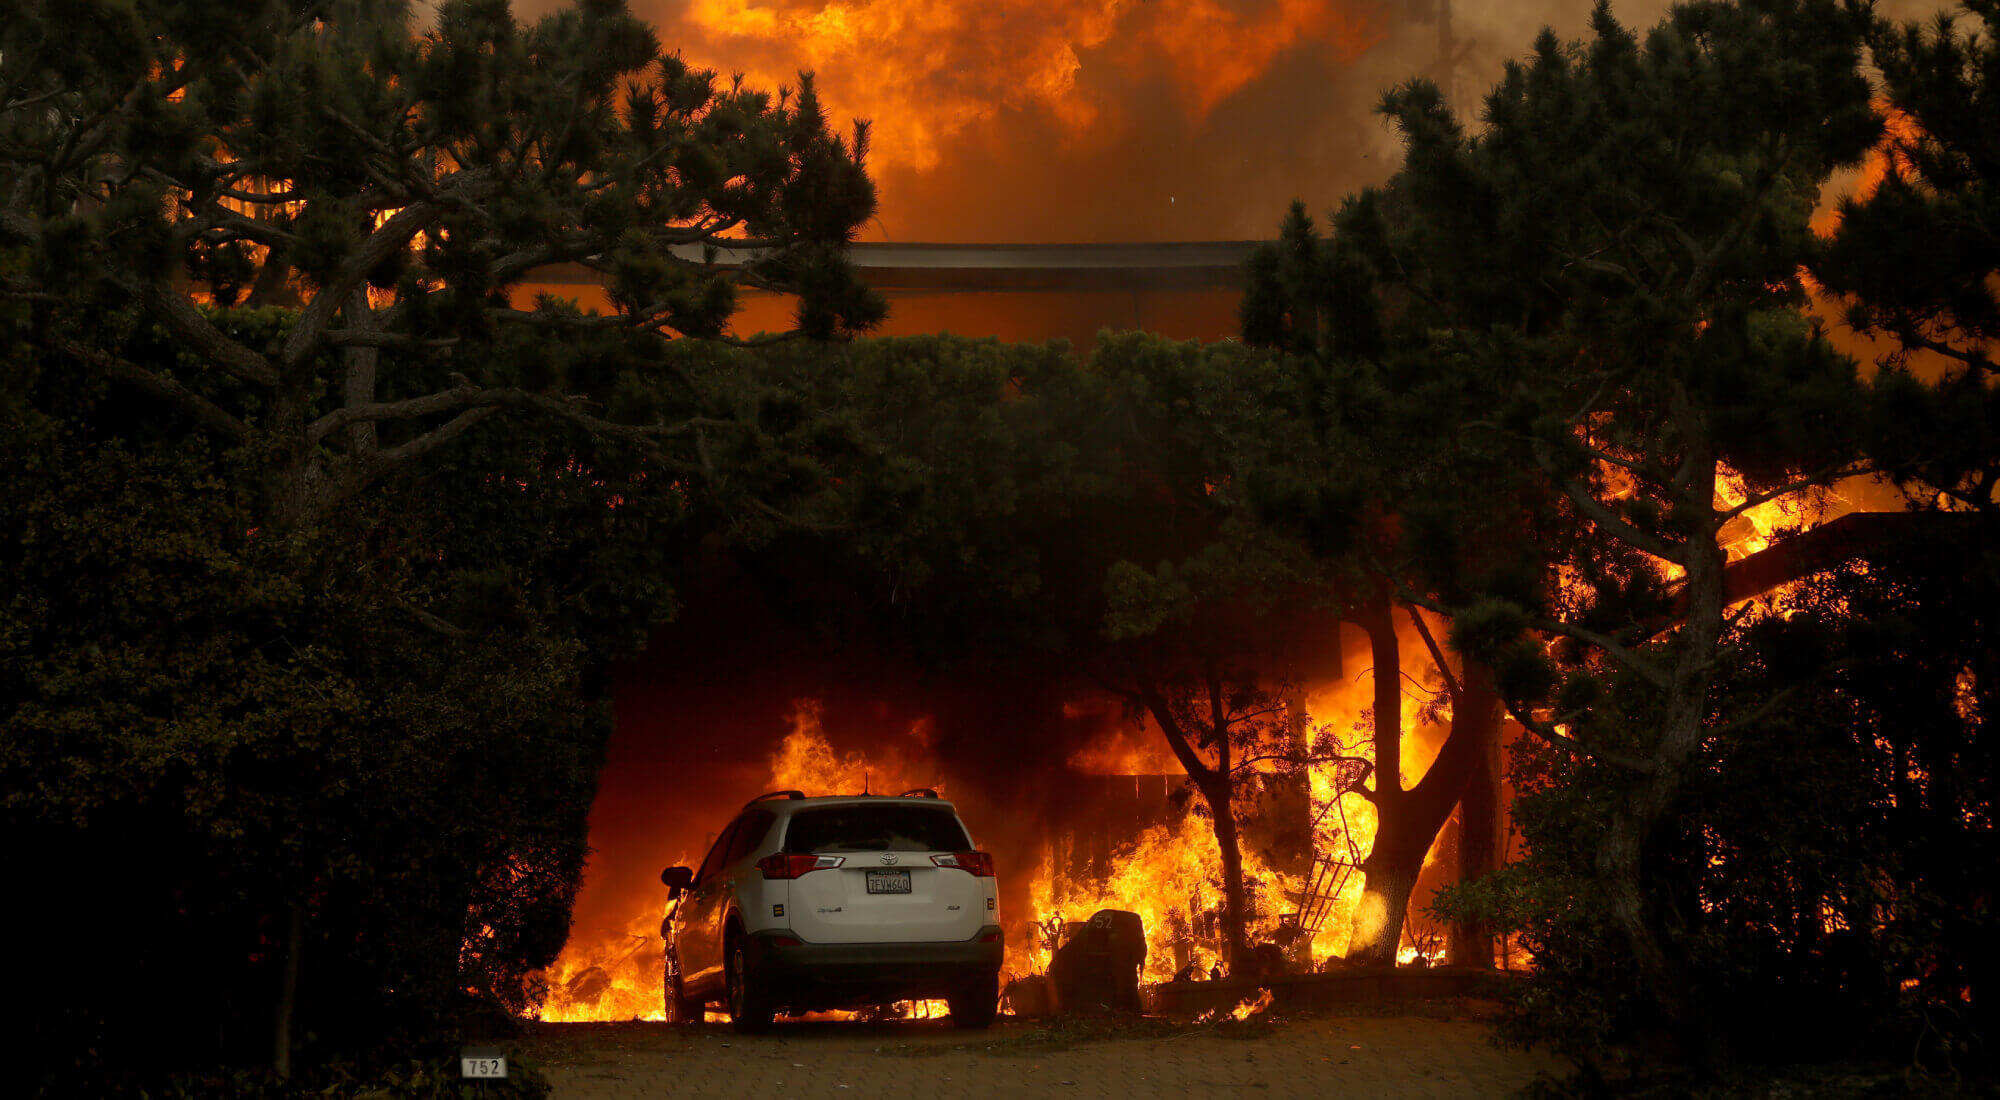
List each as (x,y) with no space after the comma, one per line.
(1611,265)
(1918,259)
(322,532)
(398,185)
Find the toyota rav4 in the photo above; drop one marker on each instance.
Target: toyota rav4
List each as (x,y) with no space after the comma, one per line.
(815,903)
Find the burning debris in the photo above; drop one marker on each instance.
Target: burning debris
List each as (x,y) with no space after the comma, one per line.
(1253,1006)
(1096,964)
(1167,874)
(616,978)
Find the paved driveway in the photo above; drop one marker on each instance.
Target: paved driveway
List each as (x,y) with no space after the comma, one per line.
(1332,1055)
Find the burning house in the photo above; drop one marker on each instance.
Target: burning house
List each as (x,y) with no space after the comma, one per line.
(1080,800)
(1144,133)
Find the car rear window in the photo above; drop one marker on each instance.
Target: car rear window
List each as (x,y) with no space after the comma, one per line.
(885,828)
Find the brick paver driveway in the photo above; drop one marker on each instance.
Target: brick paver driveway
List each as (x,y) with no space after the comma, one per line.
(1330,1055)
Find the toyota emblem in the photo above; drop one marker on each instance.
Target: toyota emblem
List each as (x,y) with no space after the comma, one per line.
(888,857)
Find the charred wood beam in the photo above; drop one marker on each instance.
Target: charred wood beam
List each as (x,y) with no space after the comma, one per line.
(1832,543)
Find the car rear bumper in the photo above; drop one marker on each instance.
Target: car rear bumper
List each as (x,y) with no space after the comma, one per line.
(830,975)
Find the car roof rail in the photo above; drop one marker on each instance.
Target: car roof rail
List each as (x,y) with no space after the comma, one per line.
(914,791)
(790,795)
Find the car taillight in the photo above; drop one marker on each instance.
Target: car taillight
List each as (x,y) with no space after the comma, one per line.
(794,864)
(977,864)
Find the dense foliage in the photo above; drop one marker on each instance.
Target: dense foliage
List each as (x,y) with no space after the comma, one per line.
(389,735)
(322,534)
(1822,869)
(1591,308)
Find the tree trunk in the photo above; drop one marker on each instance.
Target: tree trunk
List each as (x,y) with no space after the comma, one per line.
(1407,823)
(1221,807)
(1621,856)
(1385,905)
(1621,870)
(1387,876)
(1480,833)
(359,385)
(288,993)
(1218,789)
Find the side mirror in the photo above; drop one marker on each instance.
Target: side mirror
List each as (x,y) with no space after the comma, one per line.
(676,879)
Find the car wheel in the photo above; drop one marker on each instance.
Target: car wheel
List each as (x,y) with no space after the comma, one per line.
(674,993)
(749,1009)
(975,1006)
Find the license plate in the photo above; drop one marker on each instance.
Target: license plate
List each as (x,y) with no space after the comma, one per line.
(888,882)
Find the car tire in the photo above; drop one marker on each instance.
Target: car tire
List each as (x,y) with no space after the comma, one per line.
(975,1006)
(674,994)
(750,1008)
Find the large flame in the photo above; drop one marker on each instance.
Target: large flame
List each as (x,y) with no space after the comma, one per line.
(1170,877)
(806,761)
(927,70)
(619,977)
(1167,872)
(1170,874)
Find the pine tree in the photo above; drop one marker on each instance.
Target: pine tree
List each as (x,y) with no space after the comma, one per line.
(1594,306)
(395,185)
(1918,259)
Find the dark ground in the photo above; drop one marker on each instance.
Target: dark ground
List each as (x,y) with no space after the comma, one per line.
(1424,1055)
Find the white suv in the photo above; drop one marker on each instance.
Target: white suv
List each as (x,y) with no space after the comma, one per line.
(815,903)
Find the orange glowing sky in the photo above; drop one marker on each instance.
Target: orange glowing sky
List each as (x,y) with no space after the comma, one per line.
(1093,120)
(1102,120)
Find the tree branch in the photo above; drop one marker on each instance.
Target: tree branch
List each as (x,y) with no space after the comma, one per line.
(466,395)
(1177,739)
(211,343)
(1437,654)
(313,321)
(370,338)
(1652,673)
(1823,476)
(1604,517)
(431,440)
(205,412)
(1547,732)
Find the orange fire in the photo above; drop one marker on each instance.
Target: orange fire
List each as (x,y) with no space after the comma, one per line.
(1899,133)
(1123,750)
(1252,1007)
(1168,873)
(977,104)
(806,761)
(621,976)
(616,978)
(1169,876)
(1756,527)
(928,70)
